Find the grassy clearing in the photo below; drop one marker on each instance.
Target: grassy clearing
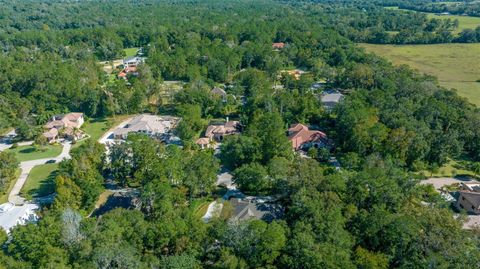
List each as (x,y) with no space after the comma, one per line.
(28,153)
(95,128)
(464,22)
(4,195)
(201,210)
(199,207)
(456,65)
(129,52)
(451,169)
(40,181)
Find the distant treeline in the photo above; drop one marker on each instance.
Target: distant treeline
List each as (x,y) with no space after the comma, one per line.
(469,7)
(372,22)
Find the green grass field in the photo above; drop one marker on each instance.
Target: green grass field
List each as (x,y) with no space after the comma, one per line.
(456,65)
(40,181)
(464,22)
(450,169)
(129,52)
(28,153)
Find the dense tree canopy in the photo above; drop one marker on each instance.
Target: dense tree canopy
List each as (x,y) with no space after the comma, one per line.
(369,214)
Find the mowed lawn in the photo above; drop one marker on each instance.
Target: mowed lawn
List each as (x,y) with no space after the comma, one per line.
(129,52)
(28,153)
(40,181)
(95,128)
(456,65)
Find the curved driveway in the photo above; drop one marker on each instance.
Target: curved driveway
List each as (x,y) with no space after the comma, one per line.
(14,196)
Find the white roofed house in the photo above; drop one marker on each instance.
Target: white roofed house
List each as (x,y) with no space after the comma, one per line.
(133,61)
(11,215)
(151,125)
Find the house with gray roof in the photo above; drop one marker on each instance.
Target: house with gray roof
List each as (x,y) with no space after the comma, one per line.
(151,125)
(133,61)
(247,209)
(331,99)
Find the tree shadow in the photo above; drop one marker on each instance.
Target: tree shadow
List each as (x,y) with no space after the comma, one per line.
(47,186)
(28,150)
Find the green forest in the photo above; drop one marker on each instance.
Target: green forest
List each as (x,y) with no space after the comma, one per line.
(393,124)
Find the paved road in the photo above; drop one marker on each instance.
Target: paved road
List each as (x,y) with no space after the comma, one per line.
(439,182)
(225,178)
(105,138)
(6,144)
(215,208)
(27,166)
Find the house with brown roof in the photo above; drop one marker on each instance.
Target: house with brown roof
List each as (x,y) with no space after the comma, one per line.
(51,135)
(218,132)
(278,45)
(67,126)
(302,137)
(204,142)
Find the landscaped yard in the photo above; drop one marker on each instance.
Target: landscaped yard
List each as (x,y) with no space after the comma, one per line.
(200,207)
(456,65)
(28,153)
(40,181)
(95,128)
(129,52)
(451,169)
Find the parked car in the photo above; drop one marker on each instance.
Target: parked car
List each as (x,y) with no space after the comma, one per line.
(6,207)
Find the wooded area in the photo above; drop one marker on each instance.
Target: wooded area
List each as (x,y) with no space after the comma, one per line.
(392,123)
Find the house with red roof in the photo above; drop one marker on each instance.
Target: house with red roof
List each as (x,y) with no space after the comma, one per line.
(132,70)
(278,45)
(302,137)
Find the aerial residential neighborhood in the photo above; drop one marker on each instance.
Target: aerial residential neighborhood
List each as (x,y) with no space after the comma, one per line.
(159,134)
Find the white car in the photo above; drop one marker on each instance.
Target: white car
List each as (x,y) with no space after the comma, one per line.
(6,207)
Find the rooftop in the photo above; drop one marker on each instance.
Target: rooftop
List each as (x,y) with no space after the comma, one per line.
(472,197)
(332,98)
(17,215)
(148,123)
(246,209)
